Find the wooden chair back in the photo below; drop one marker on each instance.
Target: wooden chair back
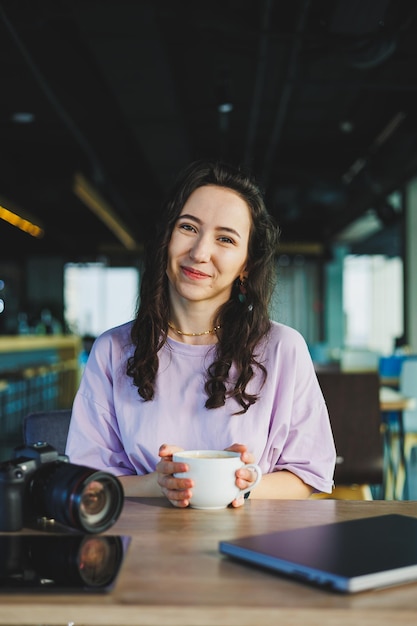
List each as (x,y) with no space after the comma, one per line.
(353,403)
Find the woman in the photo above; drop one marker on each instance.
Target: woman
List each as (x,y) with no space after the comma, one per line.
(202,366)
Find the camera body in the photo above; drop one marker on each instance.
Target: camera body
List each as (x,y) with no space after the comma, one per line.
(41,483)
(15,477)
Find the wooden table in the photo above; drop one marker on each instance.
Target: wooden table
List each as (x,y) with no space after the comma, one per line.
(174,574)
(392,400)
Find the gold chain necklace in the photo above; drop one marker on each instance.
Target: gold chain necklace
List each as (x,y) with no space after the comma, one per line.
(205,332)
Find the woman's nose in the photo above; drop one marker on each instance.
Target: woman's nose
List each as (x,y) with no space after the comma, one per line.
(201,250)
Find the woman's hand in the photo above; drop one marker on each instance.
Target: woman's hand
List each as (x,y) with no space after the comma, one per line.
(244,477)
(177,490)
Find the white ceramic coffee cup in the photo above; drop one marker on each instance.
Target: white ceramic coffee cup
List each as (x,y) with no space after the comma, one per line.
(214,476)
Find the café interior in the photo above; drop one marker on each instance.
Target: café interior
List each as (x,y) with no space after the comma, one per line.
(103,102)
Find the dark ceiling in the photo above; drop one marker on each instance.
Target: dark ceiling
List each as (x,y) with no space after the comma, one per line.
(319,100)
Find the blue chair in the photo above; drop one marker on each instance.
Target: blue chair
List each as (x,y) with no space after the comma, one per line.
(408,387)
(48,426)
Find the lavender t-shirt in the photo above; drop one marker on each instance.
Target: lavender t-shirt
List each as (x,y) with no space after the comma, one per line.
(114,429)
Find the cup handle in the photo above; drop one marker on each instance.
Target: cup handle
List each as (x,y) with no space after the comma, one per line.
(258,471)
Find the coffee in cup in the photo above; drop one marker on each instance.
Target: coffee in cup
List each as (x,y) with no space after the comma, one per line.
(214,476)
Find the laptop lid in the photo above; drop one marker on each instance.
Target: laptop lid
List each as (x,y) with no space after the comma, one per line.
(348,556)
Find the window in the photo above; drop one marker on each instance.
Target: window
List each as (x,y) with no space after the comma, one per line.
(373,302)
(98,297)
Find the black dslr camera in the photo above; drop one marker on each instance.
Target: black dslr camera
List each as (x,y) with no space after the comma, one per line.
(40,483)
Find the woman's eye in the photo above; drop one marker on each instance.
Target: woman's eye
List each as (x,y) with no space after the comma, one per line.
(188,227)
(225,239)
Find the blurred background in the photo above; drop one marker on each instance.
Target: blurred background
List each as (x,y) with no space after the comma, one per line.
(104,101)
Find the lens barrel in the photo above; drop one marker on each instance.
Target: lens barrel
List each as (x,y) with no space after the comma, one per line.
(74,495)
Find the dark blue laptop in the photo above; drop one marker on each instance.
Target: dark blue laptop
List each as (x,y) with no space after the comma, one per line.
(350,556)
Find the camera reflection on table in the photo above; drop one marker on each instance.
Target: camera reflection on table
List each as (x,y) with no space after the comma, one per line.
(60,562)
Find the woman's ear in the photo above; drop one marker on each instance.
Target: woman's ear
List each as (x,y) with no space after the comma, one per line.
(243,275)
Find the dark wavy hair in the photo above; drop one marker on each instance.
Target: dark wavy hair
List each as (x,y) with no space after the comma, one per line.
(243,325)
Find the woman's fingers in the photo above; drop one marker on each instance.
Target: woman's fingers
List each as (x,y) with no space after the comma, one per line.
(178,494)
(176,490)
(167,450)
(247,457)
(238,502)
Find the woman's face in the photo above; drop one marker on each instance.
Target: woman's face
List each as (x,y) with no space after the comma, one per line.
(209,245)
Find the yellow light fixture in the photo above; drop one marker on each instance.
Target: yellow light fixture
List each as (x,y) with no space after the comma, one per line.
(98,205)
(307,248)
(13,216)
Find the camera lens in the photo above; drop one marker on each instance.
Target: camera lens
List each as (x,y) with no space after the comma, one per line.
(76,496)
(95,501)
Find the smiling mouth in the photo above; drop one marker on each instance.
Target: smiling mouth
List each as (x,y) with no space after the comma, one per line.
(192,273)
